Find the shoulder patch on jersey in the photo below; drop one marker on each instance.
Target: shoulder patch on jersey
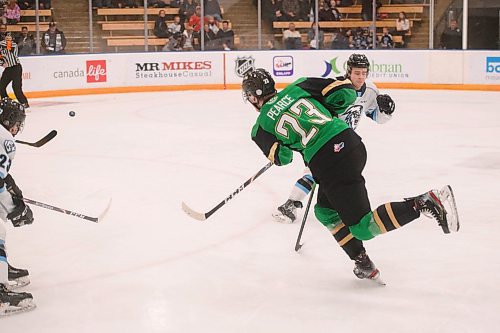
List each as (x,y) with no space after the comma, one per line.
(10,146)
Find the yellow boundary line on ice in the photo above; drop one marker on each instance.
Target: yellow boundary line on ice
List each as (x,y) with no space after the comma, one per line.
(120,90)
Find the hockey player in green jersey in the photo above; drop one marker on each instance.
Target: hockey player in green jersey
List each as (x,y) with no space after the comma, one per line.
(295,120)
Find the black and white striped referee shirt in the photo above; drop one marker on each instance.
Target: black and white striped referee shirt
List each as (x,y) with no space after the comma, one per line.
(9,57)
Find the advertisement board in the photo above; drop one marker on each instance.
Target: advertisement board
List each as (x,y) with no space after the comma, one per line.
(482,67)
(121,70)
(94,73)
(287,66)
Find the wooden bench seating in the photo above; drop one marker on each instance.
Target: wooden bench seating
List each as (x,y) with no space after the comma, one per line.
(124,41)
(339,24)
(412,11)
(134,11)
(30,25)
(31,14)
(329,38)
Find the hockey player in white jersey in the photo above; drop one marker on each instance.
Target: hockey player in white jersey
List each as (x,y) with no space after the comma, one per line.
(369,103)
(12,207)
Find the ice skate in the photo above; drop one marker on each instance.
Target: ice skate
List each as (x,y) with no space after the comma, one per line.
(364,268)
(287,213)
(12,302)
(440,205)
(18,277)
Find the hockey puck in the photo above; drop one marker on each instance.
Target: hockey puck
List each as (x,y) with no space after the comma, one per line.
(72,113)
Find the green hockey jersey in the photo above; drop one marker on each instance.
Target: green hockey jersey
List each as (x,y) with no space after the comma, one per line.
(300,118)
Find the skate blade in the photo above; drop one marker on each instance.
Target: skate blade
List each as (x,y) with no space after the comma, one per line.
(282,218)
(376,278)
(24,306)
(18,283)
(448,200)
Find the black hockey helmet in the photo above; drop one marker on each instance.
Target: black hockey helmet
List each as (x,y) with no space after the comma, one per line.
(11,113)
(258,83)
(357,60)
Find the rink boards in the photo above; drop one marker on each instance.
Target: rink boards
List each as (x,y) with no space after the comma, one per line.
(157,71)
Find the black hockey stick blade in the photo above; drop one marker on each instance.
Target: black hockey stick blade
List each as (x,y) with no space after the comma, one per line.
(203,216)
(298,246)
(40,142)
(69,212)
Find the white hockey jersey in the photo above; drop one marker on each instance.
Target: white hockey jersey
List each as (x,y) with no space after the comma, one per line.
(366,104)
(7,154)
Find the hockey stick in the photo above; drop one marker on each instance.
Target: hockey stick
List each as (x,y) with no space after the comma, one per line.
(65,211)
(40,142)
(304,219)
(203,216)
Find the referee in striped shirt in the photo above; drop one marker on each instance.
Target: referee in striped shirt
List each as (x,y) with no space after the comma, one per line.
(13,71)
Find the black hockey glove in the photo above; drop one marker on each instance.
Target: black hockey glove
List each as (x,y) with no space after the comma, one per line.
(11,186)
(386,104)
(21,215)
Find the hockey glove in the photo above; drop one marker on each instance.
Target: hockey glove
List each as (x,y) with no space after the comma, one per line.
(21,215)
(11,186)
(386,104)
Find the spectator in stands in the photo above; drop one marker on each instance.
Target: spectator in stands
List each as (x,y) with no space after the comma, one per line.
(305,7)
(291,10)
(156,4)
(341,40)
(161,29)
(129,3)
(195,20)
(26,43)
(451,38)
(175,42)
(402,27)
(53,40)
(212,8)
(329,12)
(311,36)
(270,45)
(386,41)
(12,13)
(213,24)
(103,3)
(190,39)
(278,11)
(25,4)
(226,36)
(367,9)
(186,9)
(175,26)
(211,42)
(3,31)
(359,41)
(44,4)
(291,38)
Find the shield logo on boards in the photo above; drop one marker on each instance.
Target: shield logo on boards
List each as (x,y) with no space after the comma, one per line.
(244,65)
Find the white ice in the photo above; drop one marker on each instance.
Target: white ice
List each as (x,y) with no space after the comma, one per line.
(148,267)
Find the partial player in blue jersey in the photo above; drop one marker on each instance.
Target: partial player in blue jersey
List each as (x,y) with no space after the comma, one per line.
(12,208)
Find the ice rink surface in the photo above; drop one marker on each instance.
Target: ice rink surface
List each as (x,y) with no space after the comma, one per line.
(148,267)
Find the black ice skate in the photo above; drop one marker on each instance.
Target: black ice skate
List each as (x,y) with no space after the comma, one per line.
(287,212)
(12,302)
(440,205)
(364,268)
(18,277)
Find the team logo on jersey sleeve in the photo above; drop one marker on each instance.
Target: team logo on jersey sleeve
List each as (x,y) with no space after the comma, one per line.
(337,147)
(9,146)
(244,65)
